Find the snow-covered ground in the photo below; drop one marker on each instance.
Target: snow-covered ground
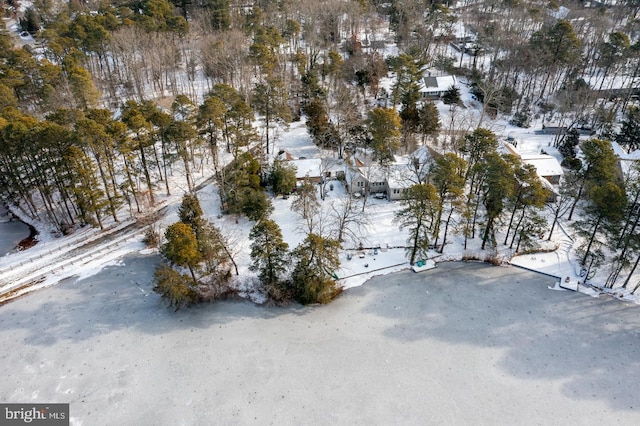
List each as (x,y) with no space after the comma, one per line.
(45,264)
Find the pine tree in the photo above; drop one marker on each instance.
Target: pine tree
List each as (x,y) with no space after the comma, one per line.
(175,287)
(242,192)
(451,96)
(447,175)
(190,212)
(606,208)
(384,125)
(498,186)
(181,248)
(528,196)
(220,14)
(132,116)
(238,130)
(269,253)
(418,212)
(313,277)
(270,100)
(629,136)
(88,193)
(94,138)
(282,177)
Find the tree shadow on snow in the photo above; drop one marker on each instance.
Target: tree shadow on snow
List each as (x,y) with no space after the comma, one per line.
(118,298)
(591,344)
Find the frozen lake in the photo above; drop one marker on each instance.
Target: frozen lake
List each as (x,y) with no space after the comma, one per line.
(11,233)
(465,343)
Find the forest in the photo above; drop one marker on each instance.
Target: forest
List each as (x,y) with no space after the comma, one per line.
(102,101)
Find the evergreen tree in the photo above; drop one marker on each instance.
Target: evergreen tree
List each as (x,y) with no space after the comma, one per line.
(555,47)
(159,15)
(94,138)
(419,208)
(313,277)
(498,186)
(133,117)
(87,190)
(384,125)
(190,212)
(324,133)
(606,208)
(451,96)
(629,136)
(242,190)
(237,129)
(215,252)
(527,197)
(282,177)
(210,122)
(84,91)
(182,135)
(269,253)
(181,248)
(447,175)
(599,165)
(175,287)
(220,14)
(270,100)
(428,120)
(568,149)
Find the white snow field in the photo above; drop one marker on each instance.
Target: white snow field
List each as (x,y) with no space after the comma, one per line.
(465,343)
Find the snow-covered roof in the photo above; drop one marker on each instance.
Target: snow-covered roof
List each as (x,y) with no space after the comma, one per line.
(561,13)
(400,176)
(352,174)
(422,154)
(332,165)
(373,173)
(546,165)
(308,167)
(437,84)
(511,149)
(624,155)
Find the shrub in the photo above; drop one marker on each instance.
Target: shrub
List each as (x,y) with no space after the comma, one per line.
(521,119)
(151,238)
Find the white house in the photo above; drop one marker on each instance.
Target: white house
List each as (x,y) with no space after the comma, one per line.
(399,180)
(391,181)
(364,175)
(547,166)
(435,87)
(355,182)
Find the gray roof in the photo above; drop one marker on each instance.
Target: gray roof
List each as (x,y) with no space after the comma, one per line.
(430,82)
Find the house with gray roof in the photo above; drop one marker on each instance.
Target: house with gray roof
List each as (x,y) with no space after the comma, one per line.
(435,87)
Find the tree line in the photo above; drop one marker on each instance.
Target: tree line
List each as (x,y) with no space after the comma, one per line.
(81,140)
